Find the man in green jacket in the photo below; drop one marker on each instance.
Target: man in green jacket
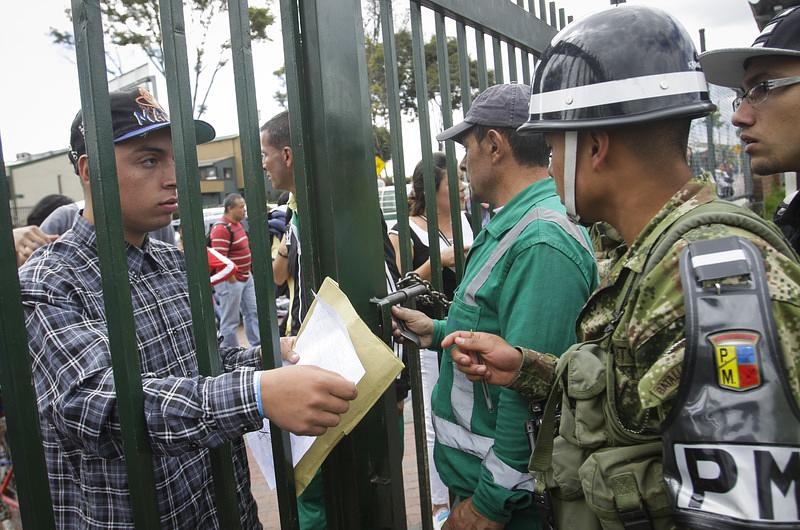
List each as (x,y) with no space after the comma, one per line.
(527,275)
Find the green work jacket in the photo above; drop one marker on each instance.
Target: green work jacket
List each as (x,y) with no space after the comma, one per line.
(527,276)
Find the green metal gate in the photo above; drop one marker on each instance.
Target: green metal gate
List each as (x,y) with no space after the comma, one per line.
(337,195)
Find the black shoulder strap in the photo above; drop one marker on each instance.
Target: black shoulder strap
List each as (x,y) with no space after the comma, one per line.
(226,225)
(719,212)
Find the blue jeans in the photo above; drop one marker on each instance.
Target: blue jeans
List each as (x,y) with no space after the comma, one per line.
(233,298)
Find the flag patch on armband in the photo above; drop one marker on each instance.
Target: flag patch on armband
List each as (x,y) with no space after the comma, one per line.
(736,356)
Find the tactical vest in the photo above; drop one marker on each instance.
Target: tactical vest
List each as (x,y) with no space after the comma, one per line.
(732,442)
(599,473)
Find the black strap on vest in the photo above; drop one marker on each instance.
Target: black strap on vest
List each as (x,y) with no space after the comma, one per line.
(788,220)
(732,441)
(718,212)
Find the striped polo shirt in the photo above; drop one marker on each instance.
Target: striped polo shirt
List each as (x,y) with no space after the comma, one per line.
(234,244)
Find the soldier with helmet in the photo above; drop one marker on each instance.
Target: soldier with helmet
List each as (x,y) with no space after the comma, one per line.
(680,404)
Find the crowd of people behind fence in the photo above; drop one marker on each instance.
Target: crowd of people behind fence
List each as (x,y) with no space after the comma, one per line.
(621,350)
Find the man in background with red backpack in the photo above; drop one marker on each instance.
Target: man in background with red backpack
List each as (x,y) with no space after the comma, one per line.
(229,239)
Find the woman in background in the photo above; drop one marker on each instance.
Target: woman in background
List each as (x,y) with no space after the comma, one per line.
(421,264)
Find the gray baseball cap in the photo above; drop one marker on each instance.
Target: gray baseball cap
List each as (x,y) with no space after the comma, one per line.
(504,106)
(780,37)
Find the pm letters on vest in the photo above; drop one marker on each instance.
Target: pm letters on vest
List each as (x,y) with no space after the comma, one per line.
(746,482)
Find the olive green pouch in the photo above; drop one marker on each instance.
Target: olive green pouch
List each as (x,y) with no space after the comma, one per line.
(581,373)
(623,485)
(564,484)
(584,379)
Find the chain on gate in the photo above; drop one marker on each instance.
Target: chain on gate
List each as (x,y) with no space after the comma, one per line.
(431,297)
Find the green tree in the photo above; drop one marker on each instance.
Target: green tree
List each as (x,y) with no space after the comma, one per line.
(280,94)
(379,103)
(383,142)
(137,23)
(405,74)
(405,77)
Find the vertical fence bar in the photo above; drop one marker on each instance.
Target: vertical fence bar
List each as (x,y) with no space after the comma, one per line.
(362,476)
(512,63)
(569,19)
(463,66)
(296,99)
(22,417)
(396,129)
(301,133)
(255,186)
(255,183)
(421,82)
(553,21)
(466,102)
(453,182)
(404,236)
(89,48)
(480,46)
(191,208)
(526,67)
(543,10)
(498,61)
(395,439)
(562,18)
(412,353)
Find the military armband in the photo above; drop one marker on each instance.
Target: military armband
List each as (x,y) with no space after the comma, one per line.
(535,376)
(732,440)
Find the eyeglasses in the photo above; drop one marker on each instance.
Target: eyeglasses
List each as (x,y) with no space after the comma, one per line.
(758,93)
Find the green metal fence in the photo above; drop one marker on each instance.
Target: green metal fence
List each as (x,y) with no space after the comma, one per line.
(337,195)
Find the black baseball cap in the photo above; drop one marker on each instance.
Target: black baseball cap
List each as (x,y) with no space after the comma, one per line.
(780,37)
(134,112)
(504,106)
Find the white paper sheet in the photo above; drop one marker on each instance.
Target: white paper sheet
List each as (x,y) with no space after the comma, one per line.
(260,443)
(325,343)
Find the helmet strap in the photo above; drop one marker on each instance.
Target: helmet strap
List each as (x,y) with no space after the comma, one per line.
(570,164)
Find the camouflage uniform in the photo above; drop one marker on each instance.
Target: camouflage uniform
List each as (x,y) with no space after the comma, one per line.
(647,369)
(608,246)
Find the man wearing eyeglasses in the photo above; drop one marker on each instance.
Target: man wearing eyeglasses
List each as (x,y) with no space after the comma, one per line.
(768,107)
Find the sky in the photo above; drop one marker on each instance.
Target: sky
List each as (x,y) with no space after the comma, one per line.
(39,94)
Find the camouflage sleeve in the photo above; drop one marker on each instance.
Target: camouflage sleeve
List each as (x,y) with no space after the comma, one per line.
(661,381)
(647,372)
(535,375)
(787,322)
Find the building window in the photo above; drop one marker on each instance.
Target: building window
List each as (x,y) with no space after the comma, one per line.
(208,173)
(227,173)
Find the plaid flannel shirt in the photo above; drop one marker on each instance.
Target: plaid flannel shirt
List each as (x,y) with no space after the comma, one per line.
(185,413)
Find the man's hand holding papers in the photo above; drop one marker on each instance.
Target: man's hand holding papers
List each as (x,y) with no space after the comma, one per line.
(305,399)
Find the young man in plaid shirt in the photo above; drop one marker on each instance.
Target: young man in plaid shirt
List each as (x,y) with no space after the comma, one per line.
(185,413)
